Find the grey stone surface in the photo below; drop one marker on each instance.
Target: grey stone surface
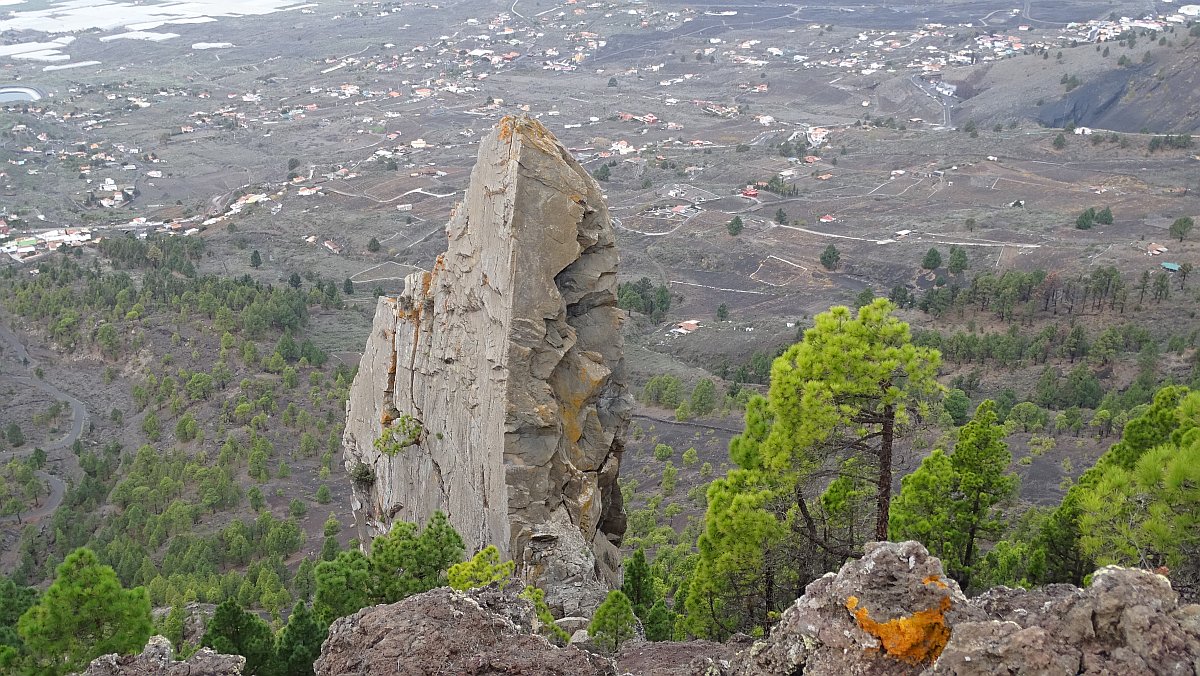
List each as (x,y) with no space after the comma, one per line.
(509,356)
(892,582)
(157,659)
(483,631)
(916,621)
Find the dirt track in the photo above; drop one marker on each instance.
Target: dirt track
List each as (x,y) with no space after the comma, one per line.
(58,451)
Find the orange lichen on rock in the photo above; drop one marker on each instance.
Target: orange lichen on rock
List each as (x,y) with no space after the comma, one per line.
(935,580)
(917,638)
(530,129)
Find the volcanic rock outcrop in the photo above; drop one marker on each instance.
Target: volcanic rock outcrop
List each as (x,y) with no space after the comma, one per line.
(493,388)
(895,612)
(158,659)
(483,631)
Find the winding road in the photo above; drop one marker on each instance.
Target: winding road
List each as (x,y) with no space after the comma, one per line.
(58,451)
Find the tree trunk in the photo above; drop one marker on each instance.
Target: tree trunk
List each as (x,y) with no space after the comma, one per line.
(883,497)
(769,596)
(969,555)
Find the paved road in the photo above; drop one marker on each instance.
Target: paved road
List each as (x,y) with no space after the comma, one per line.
(59,450)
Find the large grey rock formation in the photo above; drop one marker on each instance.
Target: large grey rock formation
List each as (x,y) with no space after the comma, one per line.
(158,659)
(493,388)
(483,631)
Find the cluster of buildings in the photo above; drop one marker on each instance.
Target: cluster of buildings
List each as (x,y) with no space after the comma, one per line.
(33,245)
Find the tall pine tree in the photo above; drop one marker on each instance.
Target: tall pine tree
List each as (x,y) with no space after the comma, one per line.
(234,631)
(299,643)
(949,503)
(84,614)
(638,583)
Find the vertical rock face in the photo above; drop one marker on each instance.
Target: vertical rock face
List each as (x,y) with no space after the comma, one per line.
(493,388)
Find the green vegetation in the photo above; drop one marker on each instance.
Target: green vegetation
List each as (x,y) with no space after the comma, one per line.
(20,488)
(1180,228)
(614,622)
(1171,142)
(1091,216)
(932,260)
(830,257)
(548,628)
(84,614)
(949,502)
(13,435)
(735,226)
(642,296)
(764,522)
(404,562)
(172,517)
(482,570)
(958,260)
(401,433)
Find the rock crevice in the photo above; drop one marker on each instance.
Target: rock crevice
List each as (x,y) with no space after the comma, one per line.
(507,356)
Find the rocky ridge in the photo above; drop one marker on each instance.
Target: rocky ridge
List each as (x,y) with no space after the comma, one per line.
(895,612)
(892,612)
(493,388)
(158,659)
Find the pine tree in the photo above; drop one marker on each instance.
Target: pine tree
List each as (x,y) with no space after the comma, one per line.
(830,257)
(342,586)
(404,563)
(614,622)
(948,504)
(1141,510)
(932,259)
(304,583)
(84,614)
(255,259)
(638,584)
(373,245)
(660,622)
(1182,226)
(704,397)
(958,260)
(823,410)
(14,601)
(299,643)
(234,631)
(481,570)
(735,226)
(981,459)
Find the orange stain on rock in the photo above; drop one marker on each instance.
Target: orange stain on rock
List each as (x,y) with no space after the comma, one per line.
(917,638)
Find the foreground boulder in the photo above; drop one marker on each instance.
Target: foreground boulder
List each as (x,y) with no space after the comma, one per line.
(158,659)
(894,612)
(483,631)
(1126,622)
(493,389)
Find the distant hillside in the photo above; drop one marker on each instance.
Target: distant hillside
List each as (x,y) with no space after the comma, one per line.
(1148,86)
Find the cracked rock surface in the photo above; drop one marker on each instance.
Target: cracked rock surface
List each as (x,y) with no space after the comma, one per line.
(158,659)
(482,631)
(894,612)
(501,377)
